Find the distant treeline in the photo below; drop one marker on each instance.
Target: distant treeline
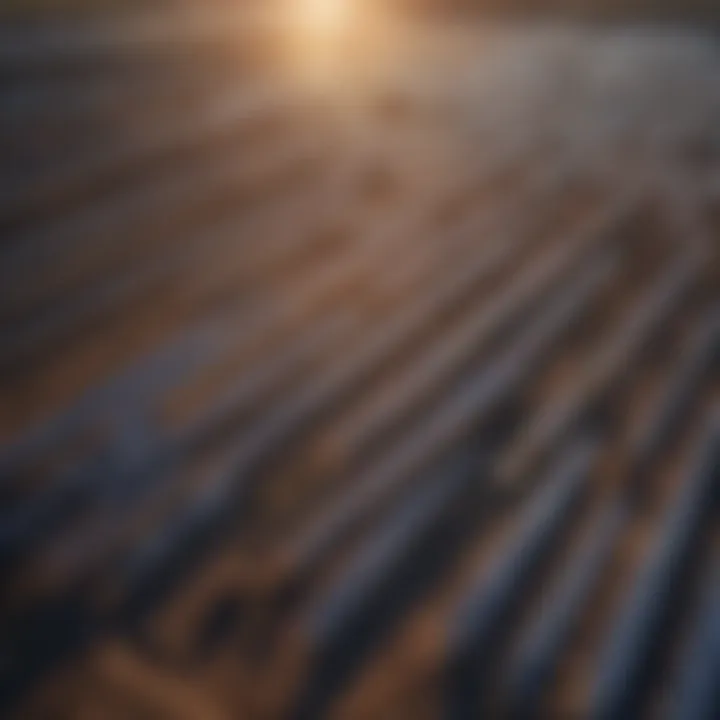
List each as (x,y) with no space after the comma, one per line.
(697,12)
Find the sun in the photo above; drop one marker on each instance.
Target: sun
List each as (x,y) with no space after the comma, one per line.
(320,35)
(325,17)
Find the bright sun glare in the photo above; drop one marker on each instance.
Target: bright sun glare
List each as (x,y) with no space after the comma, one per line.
(321,31)
(335,46)
(325,16)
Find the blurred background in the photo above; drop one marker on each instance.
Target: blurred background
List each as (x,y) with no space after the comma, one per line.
(359,359)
